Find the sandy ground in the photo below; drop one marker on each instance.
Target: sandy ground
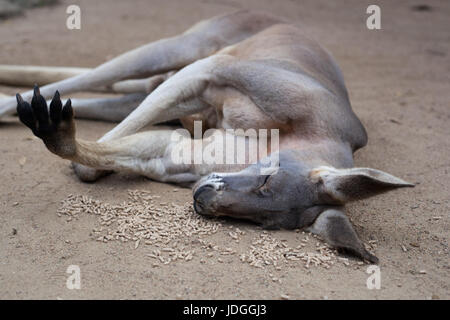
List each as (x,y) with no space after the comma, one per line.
(398,80)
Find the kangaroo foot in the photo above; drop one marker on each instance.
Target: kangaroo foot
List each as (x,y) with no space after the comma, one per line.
(54,125)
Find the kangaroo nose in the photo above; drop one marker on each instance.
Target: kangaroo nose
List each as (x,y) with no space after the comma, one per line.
(201,189)
(205,194)
(204,199)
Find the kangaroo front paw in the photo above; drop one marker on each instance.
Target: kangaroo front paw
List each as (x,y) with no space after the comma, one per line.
(55,126)
(335,228)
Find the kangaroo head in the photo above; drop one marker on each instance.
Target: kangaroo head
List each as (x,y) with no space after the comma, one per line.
(294,196)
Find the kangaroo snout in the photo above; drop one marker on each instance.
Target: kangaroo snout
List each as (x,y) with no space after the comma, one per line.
(205,194)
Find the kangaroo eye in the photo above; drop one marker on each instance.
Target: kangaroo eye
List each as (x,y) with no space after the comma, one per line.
(266,179)
(263,190)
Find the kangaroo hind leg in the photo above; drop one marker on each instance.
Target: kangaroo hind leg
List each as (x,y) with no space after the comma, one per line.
(147,153)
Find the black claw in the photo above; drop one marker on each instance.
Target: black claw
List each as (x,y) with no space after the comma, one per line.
(40,109)
(55,109)
(25,113)
(19,99)
(67,111)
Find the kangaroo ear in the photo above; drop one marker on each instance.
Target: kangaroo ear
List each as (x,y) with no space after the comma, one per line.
(342,185)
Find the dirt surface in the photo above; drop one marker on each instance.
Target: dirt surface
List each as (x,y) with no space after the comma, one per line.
(398,80)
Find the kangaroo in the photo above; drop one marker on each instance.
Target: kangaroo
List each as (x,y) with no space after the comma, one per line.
(246,70)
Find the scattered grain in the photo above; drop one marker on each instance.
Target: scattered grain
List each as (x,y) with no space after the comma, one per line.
(173,232)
